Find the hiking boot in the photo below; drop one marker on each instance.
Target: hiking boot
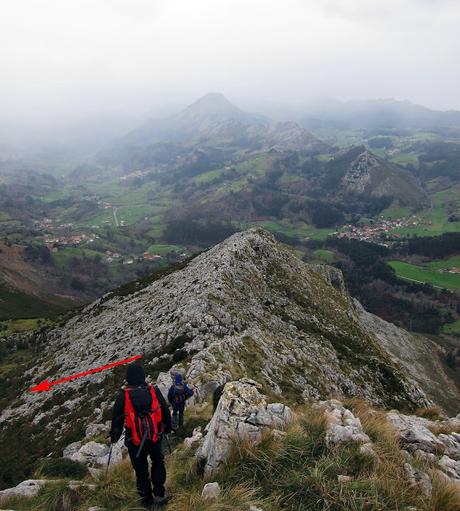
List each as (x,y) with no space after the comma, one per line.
(160,501)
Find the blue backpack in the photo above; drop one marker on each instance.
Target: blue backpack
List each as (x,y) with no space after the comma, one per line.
(179,393)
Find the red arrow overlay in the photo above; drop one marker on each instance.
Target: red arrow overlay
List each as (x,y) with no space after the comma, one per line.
(48,385)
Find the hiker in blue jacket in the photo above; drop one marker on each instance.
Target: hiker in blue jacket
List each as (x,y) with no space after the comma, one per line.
(178,394)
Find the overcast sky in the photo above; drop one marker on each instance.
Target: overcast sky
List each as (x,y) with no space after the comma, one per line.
(88,56)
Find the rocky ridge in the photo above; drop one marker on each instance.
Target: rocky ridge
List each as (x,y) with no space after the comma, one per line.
(246,308)
(249,300)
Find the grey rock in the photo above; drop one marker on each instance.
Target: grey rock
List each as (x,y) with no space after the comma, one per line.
(409,351)
(197,435)
(28,488)
(242,413)
(93,430)
(95,473)
(214,310)
(419,479)
(211,491)
(450,467)
(343,426)
(310,393)
(89,453)
(246,306)
(452,444)
(71,449)
(414,434)
(94,454)
(368,449)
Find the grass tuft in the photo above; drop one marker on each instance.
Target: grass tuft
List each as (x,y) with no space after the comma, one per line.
(433,413)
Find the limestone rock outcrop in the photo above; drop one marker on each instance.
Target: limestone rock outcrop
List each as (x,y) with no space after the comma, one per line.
(430,441)
(343,426)
(94,454)
(28,488)
(242,413)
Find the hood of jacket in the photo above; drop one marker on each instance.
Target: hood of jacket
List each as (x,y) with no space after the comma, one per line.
(135,375)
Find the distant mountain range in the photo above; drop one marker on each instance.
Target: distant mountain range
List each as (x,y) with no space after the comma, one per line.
(261,167)
(375,114)
(199,119)
(214,121)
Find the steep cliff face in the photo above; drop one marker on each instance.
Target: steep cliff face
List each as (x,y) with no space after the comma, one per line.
(245,308)
(418,356)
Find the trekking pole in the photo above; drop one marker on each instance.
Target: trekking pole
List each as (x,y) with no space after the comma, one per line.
(144,436)
(167,442)
(108,461)
(110,455)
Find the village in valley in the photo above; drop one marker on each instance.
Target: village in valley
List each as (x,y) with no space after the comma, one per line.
(60,237)
(381,231)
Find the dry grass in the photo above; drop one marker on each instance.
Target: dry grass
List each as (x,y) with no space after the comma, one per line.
(388,475)
(297,473)
(433,413)
(445,428)
(232,498)
(446,495)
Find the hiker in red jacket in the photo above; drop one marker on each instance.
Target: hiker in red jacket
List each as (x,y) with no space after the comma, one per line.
(142,409)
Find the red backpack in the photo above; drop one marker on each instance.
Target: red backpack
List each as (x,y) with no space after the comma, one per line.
(143,426)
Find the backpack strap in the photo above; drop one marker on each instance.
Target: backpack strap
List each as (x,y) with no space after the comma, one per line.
(156,415)
(131,418)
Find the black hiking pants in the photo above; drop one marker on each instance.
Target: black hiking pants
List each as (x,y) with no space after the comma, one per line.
(157,476)
(178,416)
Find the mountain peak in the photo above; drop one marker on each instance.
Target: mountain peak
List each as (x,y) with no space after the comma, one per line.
(215,99)
(212,105)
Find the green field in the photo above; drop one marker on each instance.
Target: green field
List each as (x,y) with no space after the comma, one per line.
(15,326)
(395,213)
(324,157)
(405,158)
(445,263)
(326,256)
(255,166)
(62,256)
(452,328)
(207,177)
(164,249)
(434,221)
(132,214)
(427,275)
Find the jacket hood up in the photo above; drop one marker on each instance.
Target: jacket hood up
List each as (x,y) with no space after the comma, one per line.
(135,374)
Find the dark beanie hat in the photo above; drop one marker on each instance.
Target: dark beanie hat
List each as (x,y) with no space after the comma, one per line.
(135,374)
